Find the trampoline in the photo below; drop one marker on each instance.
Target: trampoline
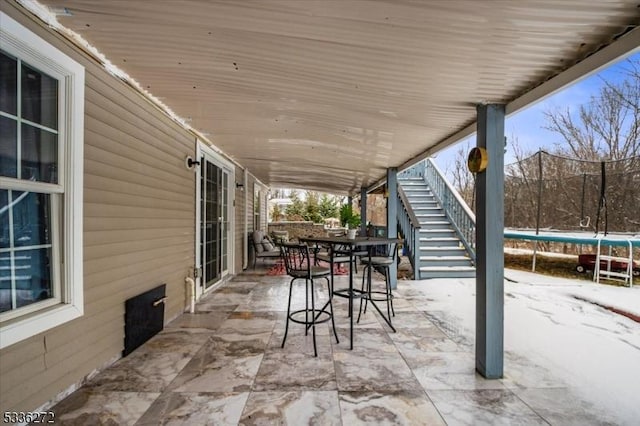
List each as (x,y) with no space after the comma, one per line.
(630,241)
(592,202)
(574,237)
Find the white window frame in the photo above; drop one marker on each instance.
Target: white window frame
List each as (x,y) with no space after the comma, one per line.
(20,42)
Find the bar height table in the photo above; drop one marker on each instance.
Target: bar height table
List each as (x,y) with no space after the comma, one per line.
(350,292)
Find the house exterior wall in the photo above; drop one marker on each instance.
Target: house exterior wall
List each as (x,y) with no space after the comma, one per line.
(139,221)
(245,213)
(240,220)
(264,208)
(256,221)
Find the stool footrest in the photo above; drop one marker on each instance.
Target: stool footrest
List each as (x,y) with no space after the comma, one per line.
(382,299)
(318,316)
(344,292)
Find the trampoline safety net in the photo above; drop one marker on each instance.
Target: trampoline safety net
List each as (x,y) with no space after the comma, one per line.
(550,191)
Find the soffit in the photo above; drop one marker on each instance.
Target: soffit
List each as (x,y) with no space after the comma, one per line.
(327,95)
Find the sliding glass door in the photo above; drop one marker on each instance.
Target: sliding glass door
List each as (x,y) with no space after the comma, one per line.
(214,244)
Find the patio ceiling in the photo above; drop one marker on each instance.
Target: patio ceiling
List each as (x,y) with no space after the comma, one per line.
(327,95)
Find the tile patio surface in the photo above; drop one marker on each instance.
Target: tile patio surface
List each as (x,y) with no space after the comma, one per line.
(224,365)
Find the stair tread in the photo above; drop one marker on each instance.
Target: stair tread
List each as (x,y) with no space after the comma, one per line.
(440,248)
(445,258)
(447,268)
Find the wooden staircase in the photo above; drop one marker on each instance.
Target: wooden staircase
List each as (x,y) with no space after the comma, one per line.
(441,253)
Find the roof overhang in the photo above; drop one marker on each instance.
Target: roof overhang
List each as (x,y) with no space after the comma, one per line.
(327,95)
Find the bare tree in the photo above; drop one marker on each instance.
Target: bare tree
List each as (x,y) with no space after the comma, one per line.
(608,126)
(463,179)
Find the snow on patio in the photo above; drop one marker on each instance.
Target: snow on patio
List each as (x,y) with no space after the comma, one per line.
(560,325)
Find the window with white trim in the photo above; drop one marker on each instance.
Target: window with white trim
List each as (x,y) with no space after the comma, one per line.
(41,137)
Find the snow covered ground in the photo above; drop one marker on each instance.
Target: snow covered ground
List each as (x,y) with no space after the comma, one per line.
(550,324)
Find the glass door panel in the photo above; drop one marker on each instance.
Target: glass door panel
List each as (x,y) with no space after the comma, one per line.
(214,242)
(224,214)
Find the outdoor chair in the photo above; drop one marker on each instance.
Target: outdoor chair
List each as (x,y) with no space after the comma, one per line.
(381,264)
(280,237)
(299,267)
(262,247)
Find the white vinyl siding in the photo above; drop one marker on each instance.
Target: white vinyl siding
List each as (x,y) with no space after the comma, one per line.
(138,209)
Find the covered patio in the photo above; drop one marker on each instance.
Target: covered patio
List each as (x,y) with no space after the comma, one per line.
(224,365)
(176,117)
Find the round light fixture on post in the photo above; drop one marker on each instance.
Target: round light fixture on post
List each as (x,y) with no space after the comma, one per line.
(478,160)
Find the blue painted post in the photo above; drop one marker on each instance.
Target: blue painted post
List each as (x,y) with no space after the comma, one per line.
(415,245)
(392,218)
(363,211)
(490,244)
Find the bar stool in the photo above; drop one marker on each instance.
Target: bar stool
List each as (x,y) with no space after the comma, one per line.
(335,255)
(380,263)
(298,265)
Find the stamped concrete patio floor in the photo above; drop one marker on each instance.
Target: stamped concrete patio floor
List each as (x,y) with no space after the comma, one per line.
(224,365)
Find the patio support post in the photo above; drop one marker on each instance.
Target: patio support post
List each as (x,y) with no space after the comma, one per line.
(392,218)
(363,211)
(490,244)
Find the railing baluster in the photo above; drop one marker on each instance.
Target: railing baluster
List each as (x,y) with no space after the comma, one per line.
(410,227)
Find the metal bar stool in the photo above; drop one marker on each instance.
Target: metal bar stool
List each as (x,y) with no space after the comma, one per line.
(298,265)
(335,255)
(381,263)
